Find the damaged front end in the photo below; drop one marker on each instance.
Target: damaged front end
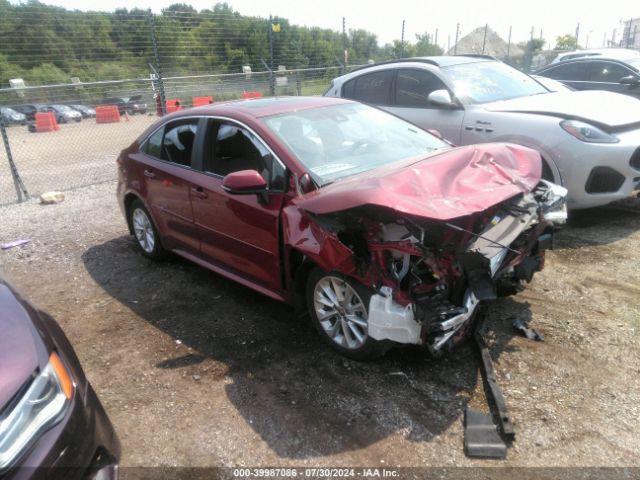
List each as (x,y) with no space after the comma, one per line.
(430,275)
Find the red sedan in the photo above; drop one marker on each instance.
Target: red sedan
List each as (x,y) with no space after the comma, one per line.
(382,231)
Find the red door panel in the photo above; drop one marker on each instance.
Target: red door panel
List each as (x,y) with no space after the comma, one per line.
(168,196)
(238,231)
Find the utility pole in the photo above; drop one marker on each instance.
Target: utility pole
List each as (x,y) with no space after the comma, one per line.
(21,190)
(455,45)
(435,40)
(509,43)
(577,33)
(402,41)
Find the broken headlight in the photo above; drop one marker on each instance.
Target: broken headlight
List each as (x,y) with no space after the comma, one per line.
(553,202)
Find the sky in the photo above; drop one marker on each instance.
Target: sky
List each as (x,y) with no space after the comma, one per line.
(553,17)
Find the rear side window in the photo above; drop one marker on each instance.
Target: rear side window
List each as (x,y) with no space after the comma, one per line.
(178,141)
(372,88)
(570,71)
(414,86)
(153,146)
(607,72)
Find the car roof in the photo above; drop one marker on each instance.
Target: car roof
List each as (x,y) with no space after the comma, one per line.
(438,61)
(263,107)
(600,53)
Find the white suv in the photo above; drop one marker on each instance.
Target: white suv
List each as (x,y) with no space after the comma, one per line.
(589,140)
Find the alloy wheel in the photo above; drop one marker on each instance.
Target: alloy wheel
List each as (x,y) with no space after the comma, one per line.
(143,230)
(341,312)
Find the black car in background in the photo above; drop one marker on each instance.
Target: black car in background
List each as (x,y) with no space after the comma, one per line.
(619,75)
(28,111)
(130,105)
(12,117)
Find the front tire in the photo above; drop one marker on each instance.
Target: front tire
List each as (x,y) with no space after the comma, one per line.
(338,307)
(145,231)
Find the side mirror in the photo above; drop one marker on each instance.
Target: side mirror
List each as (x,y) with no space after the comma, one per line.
(441,98)
(244,182)
(630,80)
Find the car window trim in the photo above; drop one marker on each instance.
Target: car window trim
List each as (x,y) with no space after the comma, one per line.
(187,167)
(200,161)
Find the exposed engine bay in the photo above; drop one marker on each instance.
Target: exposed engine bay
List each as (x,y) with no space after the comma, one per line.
(429,276)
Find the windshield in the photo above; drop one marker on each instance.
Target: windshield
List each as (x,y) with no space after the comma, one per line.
(62,108)
(341,140)
(635,63)
(483,82)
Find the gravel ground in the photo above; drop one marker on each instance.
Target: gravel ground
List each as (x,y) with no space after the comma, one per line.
(195,370)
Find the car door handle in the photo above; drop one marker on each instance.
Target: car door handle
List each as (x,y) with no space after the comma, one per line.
(199,192)
(149,173)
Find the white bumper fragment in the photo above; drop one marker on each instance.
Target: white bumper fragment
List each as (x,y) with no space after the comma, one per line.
(390,321)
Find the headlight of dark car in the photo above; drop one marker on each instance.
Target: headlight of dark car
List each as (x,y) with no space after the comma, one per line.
(44,404)
(587,133)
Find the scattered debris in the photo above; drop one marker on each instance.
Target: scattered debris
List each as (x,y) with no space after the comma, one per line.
(49,198)
(493,390)
(15,243)
(196,377)
(521,325)
(481,439)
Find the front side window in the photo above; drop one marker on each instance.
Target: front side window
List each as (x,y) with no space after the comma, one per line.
(483,82)
(374,88)
(572,71)
(341,140)
(414,86)
(607,72)
(179,139)
(236,149)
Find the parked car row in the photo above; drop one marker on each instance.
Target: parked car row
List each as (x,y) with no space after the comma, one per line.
(66,113)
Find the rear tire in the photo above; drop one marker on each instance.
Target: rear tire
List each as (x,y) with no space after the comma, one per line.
(145,231)
(338,307)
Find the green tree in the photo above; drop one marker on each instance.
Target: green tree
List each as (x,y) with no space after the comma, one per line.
(566,42)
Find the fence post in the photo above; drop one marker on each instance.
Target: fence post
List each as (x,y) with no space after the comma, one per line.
(509,44)
(157,69)
(455,45)
(21,190)
(272,78)
(402,41)
(484,38)
(344,44)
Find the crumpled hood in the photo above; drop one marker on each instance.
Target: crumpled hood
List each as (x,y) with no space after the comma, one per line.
(604,109)
(20,345)
(447,185)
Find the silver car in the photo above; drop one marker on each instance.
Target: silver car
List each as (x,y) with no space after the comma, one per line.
(589,141)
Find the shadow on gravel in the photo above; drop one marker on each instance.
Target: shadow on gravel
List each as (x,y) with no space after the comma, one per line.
(599,226)
(303,399)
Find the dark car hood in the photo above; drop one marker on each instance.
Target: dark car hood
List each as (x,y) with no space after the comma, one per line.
(605,109)
(22,350)
(447,185)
